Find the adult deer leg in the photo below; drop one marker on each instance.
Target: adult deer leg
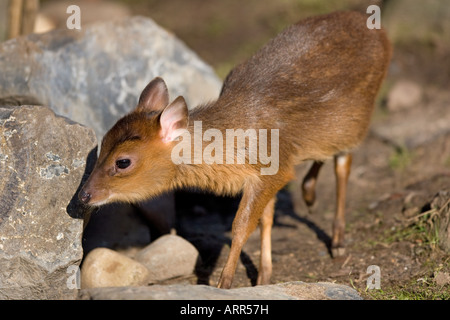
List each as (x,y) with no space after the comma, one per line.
(309,184)
(265,265)
(342,164)
(254,201)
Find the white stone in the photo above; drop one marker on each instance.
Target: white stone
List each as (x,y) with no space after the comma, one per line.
(104,267)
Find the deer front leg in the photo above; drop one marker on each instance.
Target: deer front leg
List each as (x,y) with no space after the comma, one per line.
(254,201)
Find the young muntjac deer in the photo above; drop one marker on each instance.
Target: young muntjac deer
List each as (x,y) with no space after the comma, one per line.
(314,85)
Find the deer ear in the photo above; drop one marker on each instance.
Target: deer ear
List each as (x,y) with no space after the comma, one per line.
(174,119)
(155,96)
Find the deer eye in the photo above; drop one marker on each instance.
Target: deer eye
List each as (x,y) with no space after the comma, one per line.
(123,163)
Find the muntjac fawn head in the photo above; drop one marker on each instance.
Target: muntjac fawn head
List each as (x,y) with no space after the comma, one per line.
(135,157)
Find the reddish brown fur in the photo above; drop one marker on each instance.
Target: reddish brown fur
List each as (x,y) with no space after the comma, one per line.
(316,82)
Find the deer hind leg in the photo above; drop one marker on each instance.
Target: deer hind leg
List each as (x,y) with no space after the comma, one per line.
(342,164)
(265,265)
(309,185)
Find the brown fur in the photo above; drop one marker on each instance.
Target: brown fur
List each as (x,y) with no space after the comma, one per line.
(316,82)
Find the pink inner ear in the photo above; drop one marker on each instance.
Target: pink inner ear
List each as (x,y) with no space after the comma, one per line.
(173,118)
(169,124)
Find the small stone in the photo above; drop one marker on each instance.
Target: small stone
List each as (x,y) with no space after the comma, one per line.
(106,268)
(442,278)
(168,257)
(404,94)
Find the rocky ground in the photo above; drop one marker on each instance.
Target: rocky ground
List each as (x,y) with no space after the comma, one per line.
(397,207)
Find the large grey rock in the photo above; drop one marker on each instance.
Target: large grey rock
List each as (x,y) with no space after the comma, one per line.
(42,163)
(284,291)
(94,76)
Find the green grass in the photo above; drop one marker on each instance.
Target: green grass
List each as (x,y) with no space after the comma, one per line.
(447,162)
(423,288)
(422,230)
(401,158)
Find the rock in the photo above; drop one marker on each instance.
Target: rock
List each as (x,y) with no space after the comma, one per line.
(103,267)
(42,163)
(442,278)
(284,291)
(167,257)
(95,76)
(403,95)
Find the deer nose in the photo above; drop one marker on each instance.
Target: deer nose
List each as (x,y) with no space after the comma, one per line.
(84,196)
